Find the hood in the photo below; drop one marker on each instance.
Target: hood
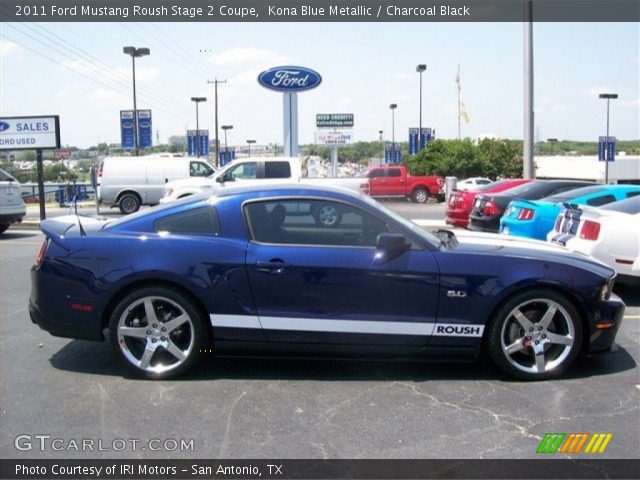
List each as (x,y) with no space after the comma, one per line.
(494,244)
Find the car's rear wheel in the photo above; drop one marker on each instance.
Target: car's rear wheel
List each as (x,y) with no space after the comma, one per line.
(157,332)
(535,335)
(129,203)
(420,195)
(327,216)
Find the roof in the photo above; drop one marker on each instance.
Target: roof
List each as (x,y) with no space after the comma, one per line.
(284,188)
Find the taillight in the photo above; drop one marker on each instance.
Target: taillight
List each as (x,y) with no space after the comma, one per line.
(590,230)
(490,208)
(41,253)
(525,214)
(558,223)
(100,169)
(364,186)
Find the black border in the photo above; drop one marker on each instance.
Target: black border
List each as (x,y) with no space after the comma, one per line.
(56,122)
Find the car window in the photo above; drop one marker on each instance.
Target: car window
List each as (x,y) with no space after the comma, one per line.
(394,172)
(312,222)
(199,169)
(5,177)
(378,172)
(199,221)
(630,205)
(244,171)
(483,182)
(633,194)
(602,200)
(277,170)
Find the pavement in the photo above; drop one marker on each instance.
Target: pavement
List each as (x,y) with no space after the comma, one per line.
(73,390)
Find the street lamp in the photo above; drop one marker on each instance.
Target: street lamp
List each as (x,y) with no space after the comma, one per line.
(197,100)
(420,68)
(249,142)
(607,97)
(552,141)
(380,133)
(225,128)
(393,107)
(135,53)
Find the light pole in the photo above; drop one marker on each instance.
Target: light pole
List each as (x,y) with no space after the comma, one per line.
(197,100)
(420,68)
(249,142)
(134,53)
(608,97)
(380,133)
(393,107)
(225,128)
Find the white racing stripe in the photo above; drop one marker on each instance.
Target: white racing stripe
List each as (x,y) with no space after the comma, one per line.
(345,326)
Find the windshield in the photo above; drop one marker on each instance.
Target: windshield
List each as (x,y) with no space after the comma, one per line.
(433,240)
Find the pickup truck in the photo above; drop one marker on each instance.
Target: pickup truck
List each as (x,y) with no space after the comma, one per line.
(396,181)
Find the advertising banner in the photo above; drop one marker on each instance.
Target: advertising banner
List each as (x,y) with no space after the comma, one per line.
(204,142)
(334,120)
(607,149)
(29,133)
(390,156)
(413,140)
(145,131)
(333,137)
(127,135)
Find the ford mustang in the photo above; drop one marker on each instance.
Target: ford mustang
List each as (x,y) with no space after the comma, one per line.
(251,270)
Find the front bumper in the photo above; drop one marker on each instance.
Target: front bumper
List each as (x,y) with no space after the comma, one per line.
(610,312)
(12,214)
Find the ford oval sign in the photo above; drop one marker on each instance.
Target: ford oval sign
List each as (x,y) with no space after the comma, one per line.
(4,126)
(289,79)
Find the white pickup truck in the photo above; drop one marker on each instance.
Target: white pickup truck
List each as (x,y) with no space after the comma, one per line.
(252,170)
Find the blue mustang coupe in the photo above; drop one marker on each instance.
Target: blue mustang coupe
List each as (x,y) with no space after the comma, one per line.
(534,219)
(252,270)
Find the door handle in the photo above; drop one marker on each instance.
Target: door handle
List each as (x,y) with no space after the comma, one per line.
(275,265)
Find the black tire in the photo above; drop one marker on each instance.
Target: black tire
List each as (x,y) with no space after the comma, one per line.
(420,195)
(326,215)
(192,332)
(129,203)
(506,331)
(4,227)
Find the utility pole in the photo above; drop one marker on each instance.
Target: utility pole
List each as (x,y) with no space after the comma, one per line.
(216,82)
(528,92)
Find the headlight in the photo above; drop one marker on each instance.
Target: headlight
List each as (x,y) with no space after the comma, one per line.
(607,288)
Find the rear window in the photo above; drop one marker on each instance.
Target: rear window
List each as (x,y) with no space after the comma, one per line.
(277,170)
(199,221)
(603,200)
(630,205)
(394,172)
(570,195)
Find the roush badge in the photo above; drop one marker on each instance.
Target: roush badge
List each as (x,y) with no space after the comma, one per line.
(289,79)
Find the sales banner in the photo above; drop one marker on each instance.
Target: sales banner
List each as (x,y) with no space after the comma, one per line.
(145,131)
(127,134)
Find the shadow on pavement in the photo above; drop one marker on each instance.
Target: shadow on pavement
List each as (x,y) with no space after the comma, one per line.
(98,359)
(629,294)
(13,235)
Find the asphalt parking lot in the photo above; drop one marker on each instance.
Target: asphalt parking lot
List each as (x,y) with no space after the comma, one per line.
(254,408)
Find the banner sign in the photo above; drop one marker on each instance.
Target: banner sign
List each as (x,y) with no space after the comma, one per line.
(334,120)
(333,138)
(127,135)
(30,133)
(62,153)
(607,149)
(191,143)
(390,156)
(413,140)
(145,133)
(204,142)
(227,155)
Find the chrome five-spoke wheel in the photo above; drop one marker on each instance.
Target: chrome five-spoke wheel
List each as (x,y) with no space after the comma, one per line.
(327,216)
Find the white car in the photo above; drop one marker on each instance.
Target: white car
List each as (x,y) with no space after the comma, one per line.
(610,234)
(473,183)
(12,207)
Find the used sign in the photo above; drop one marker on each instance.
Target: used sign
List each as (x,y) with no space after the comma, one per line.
(29,133)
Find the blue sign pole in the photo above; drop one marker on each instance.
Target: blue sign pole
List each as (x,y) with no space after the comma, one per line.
(127,137)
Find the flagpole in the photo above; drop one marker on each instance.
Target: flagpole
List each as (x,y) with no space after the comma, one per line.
(458,77)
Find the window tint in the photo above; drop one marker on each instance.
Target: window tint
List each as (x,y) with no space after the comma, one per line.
(378,172)
(200,169)
(244,171)
(633,194)
(394,172)
(312,222)
(603,200)
(277,170)
(630,205)
(483,182)
(578,192)
(199,221)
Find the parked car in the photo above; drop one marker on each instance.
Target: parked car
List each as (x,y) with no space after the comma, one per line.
(244,271)
(488,209)
(461,202)
(535,218)
(252,171)
(472,183)
(12,207)
(396,181)
(129,182)
(610,233)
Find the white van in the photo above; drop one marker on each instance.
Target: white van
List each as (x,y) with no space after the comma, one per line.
(129,182)
(12,207)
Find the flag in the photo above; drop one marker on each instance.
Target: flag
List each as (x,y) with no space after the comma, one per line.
(462,108)
(463,112)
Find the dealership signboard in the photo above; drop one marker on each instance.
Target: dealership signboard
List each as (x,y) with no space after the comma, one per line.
(413,140)
(607,149)
(127,135)
(30,133)
(192,142)
(392,153)
(145,134)
(334,137)
(334,120)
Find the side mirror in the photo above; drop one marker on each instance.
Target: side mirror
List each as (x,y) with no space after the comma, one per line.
(220,179)
(390,246)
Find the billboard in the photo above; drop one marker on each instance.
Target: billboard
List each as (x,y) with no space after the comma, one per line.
(289,79)
(145,134)
(334,120)
(333,137)
(29,133)
(127,135)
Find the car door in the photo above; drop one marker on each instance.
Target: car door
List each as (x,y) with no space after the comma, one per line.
(376,179)
(395,182)
(320,284)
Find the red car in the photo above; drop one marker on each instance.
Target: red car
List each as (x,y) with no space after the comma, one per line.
(461,203)
(396,181)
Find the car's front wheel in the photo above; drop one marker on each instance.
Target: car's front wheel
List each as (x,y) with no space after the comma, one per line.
(157,332)
(420,195)
(535,335)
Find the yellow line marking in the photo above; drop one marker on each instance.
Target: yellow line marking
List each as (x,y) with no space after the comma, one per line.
(590,444)
(605,443)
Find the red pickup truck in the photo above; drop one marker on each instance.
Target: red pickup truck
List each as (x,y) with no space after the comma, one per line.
(395,181)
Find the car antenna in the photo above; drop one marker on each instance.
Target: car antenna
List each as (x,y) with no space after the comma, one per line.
(74,205)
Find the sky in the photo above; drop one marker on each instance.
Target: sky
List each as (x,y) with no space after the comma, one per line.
(78,71)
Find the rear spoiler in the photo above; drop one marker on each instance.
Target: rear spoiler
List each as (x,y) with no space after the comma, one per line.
(60,228)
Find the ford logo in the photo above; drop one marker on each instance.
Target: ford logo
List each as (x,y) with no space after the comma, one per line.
(4,126)
(289,79)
